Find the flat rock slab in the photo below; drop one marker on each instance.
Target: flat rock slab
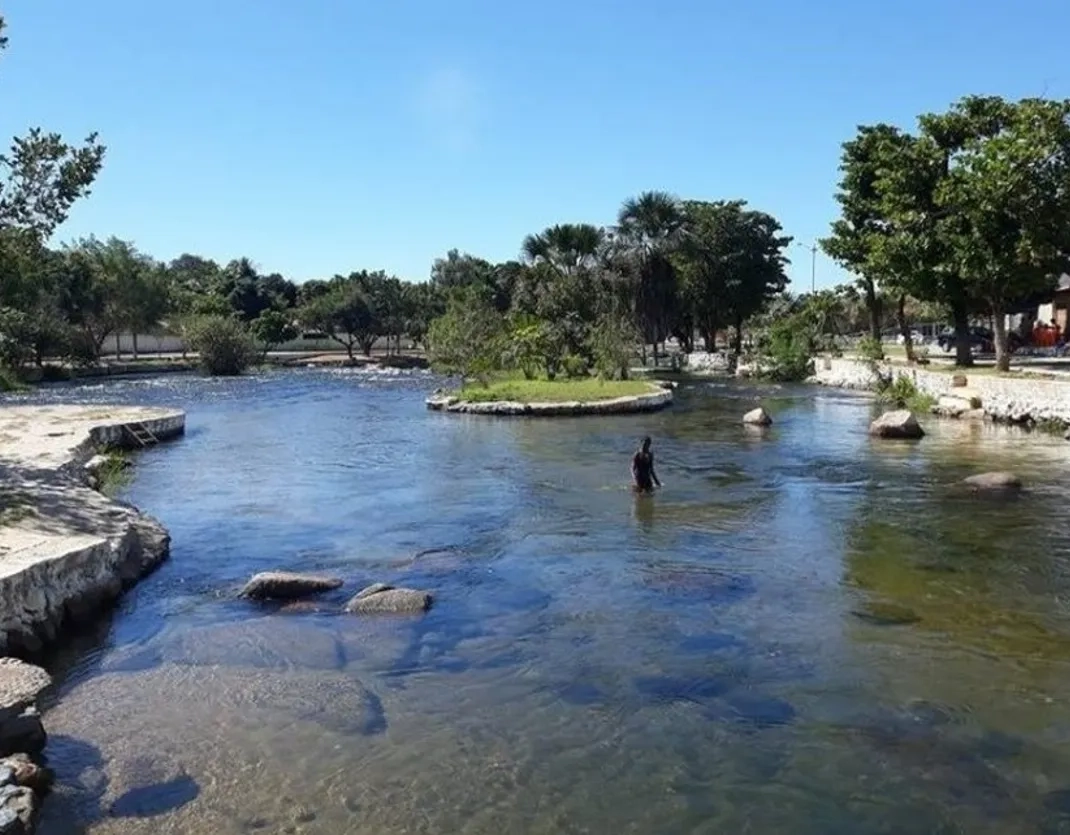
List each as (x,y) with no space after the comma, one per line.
(287,585)
(997,482)
(20,685)
(757,417)
(383,599)
(898,424)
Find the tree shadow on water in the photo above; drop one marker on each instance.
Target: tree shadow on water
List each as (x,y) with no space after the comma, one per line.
(79,799)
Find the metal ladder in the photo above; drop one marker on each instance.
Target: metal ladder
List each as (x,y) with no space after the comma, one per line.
(142,434)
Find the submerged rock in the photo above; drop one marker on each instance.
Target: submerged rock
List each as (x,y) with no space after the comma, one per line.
(287,585)
(898,424)
(886,614)
(381,598)
(994,482)
(757,417)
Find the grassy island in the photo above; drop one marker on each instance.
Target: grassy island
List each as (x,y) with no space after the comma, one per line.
(583,390)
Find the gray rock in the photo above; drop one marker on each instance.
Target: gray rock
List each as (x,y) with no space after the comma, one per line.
(20,685)
(758,417)
(25,772)
(287,585)
(381,598)
(7,775)
(1005,482)
(18,810)
(23,734)
(898,424)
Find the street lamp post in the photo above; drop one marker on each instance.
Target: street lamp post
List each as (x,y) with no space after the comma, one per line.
(813,265)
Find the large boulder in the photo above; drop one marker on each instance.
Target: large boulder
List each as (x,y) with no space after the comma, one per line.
(25,772)
(287,585)
(380,598)
(23,735)
(18,810)
(898,424)
(1000,482)
(758,417)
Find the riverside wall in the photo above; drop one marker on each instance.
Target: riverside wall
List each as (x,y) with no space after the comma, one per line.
(66,550)
(1006,399)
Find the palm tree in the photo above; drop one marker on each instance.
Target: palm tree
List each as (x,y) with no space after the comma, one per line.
(565,246)
(648,230)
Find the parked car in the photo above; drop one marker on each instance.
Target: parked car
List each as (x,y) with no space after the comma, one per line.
(981,340)
(917,337)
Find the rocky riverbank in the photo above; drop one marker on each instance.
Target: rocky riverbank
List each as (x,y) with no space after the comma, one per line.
(998,398)
(66,551)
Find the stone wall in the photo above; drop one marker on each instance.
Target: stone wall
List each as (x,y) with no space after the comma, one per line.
(1004,399)
(615,406)
(66,550)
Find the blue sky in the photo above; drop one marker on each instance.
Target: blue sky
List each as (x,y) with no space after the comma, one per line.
(326,136)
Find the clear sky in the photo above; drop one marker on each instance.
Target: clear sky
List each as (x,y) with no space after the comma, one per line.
(324,136)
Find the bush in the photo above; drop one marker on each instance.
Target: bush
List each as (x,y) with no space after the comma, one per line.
(903,393)
(871,349)
(574,365)
(786,355)
(223,344)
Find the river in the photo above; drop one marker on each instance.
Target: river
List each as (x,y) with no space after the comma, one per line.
(805,631)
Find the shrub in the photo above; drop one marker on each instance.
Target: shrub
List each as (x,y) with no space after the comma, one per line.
(871,349)
(574,365)
(786,354)
(223,344)
(903,393)
(612,341)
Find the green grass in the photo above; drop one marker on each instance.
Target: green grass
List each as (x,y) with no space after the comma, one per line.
(546,391)
(115,474)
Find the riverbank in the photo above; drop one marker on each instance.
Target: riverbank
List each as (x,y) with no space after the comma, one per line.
(1005,399)
(65,549)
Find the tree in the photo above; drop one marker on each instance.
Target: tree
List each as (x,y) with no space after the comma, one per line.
(1008,203)
(468,339)
(461,271)
(648,230)
(864,223)
(271,329)
(344,314)
(731,260)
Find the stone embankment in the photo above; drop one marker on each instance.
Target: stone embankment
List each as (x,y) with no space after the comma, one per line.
(1004,399)
(65,549)
(657,399)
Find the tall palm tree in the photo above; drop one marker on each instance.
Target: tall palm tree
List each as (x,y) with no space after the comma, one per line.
(649,228)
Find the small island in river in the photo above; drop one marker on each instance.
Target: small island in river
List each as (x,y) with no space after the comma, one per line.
(553,398)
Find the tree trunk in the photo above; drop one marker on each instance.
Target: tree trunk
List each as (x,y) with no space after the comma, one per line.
(737,342)
(999,333)
(901,320)
(961,319)
(655,348)
(873,306)
(133,336)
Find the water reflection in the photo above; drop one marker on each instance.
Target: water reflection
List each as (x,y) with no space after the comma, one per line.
(806,631)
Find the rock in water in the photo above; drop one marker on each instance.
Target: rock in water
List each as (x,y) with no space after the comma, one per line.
(287,585)
(23,734)
(757,417)
(18,810)
(897,424)
(20,684)
(25,772)
(380,598)
(994,482)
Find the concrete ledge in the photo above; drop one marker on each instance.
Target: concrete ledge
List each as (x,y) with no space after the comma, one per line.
(652,402)
(67,551)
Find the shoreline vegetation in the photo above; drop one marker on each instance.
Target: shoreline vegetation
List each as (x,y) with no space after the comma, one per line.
(519,390)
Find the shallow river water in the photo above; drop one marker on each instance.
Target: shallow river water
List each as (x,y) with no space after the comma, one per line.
(806,631)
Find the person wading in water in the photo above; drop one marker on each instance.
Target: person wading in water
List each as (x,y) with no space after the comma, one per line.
(643,469)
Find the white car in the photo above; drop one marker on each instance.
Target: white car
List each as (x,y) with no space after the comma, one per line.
(917,337)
